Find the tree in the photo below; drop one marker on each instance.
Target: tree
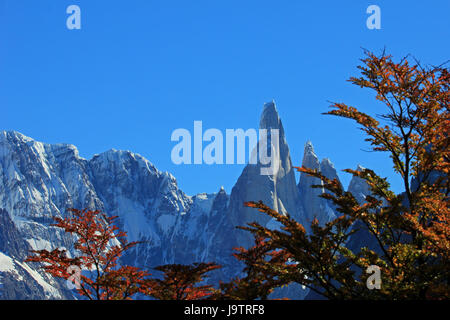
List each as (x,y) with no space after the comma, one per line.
(410,230)
(180,282)
(257,284)
(98,246)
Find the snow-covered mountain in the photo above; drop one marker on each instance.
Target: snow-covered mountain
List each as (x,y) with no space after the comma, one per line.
(39,181)
(18,279)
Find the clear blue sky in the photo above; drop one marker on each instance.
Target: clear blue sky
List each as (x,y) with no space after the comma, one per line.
(137,70)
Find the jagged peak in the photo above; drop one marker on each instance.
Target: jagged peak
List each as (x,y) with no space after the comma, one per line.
(222,193)
(310,159)
(270,104)
(111,155)
(123,156)
(327,162)
(357,180)
(42,148)
(64,148)
(359,187)
(270,117)
(114,153)
(170,176)
(202,195)
(328,170)
(8,134)
(309,152)
(309,148)
(12,132)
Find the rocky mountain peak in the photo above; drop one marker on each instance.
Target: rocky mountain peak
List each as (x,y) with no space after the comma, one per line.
(358,187)
(315,206)
(277,190)
(309,149)
(269,117)
(41,181)
(310,159)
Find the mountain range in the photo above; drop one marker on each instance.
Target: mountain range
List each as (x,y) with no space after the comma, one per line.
(39,181)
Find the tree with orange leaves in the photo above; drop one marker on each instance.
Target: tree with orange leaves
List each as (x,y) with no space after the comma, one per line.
(180,282)
(410,231)
(98,246)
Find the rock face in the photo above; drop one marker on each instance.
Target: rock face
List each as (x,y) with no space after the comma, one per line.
(277,190)
(40,181)
(361,238)
(19,280)
(313,205)
(358,187)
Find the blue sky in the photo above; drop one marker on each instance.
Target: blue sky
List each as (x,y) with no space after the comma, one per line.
(137,70)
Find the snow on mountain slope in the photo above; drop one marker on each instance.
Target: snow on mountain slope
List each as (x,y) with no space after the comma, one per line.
(40,181)
(6,263)
(19,280)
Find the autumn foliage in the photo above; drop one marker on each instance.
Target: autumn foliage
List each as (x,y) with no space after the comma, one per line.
(98,246)
(182,282)
(410,230)
(257,283)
